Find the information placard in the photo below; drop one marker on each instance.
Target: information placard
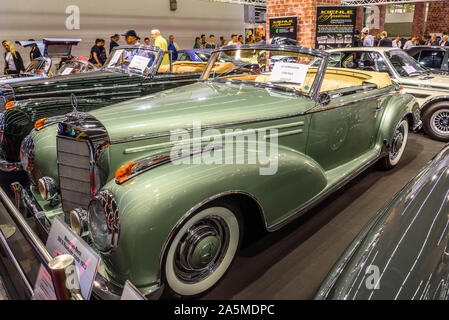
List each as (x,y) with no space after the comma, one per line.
(335,27)
(284,27)
(289,72)
(62,240)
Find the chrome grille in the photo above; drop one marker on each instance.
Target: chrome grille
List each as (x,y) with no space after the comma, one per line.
(74,173)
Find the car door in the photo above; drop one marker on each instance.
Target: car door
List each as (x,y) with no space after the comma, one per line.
(345,128)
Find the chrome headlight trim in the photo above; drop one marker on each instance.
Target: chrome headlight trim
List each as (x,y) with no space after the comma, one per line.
(27,154)
(47,188)
(103,209)
(78,221)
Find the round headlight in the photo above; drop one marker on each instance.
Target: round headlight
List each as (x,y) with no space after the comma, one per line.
(104,225)
(78,221)
(47,188)
(27,153)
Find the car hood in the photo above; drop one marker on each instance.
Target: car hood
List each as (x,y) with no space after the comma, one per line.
(205,103)
(403,253)
(431,81)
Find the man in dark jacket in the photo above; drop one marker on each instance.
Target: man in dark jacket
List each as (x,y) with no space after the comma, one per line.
(385,41)
(357,39)
(35,52)
(114,39)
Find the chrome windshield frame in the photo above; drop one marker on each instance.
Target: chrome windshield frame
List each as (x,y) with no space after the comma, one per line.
(314,90)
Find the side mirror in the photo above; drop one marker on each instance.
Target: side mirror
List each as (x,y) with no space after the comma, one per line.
(397,85)
(324,98)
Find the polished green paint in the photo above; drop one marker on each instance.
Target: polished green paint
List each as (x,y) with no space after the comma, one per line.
(407,240)
(314,157)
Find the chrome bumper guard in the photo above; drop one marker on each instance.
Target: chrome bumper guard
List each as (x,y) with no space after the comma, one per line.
(418,126)
(26,203)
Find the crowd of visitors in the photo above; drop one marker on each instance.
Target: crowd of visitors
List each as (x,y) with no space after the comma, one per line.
(14,62)
(365,39)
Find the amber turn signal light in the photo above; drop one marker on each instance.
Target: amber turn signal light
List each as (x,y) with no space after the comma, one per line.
(124,171)
(40,123)
(10,104)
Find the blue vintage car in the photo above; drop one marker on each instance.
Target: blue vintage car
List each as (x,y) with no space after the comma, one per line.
(197,55)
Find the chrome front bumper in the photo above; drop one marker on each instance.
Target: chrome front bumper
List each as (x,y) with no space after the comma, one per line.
(26,203)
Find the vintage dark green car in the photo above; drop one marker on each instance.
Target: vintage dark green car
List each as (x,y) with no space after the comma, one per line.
(164,186)
(403,252)
(129,72)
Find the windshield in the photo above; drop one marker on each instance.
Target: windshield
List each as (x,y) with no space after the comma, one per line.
(38,67)
(75,66)
(203,55)
(404,65)
(276,69)
(131,60)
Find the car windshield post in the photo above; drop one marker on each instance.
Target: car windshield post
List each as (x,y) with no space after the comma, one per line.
(286,68)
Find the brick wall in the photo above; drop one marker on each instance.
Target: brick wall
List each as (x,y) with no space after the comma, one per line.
(419,17)
(438,17)
(304,10)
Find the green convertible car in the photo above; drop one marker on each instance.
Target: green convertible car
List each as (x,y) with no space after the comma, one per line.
(167,186)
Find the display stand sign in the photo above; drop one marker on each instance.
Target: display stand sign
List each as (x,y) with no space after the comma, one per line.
(62,240)
(283,27)
(130,292)
(67,71)
(139,63)
(335,27)
(290,73)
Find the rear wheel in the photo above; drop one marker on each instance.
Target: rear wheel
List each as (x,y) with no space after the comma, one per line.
(397,146)
(436,121)
(202,251)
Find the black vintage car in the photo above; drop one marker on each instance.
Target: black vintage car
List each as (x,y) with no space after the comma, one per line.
(432,57)
(403,252)
(129,72)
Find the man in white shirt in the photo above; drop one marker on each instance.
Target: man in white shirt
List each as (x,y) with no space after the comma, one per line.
(397,42)
(410,43)
(368,40)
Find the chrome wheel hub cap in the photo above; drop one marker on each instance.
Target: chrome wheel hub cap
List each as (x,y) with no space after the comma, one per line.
(440,122)
(398,141)
(201,249)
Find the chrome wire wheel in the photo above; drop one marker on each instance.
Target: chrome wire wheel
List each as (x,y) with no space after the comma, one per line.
(202,251)
(399,142)
(439,122)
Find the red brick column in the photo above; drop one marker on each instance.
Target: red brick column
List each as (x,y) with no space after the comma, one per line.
(359,18)
(438,17)
(305,10)
(419,17)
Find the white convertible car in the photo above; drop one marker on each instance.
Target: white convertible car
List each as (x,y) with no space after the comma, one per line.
(430,89)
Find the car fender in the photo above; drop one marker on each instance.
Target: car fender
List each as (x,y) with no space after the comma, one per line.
(154,202)
(396,107)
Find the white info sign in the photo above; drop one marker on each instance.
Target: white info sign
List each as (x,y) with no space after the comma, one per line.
(139,63)
(293,73)
(62,240)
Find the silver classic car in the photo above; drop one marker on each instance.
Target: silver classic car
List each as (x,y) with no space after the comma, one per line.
(430,89)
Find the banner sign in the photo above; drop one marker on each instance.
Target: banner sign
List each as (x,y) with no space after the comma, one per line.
(283,27)
(335,27)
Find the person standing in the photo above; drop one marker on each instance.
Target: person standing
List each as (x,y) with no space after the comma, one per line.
(384,40)
(95,52)
(197,44)
(433,41)
(203,41)
(368,40)
(147,41)
(114,42)
(13,60)
(160,42)
(240,39)
(35,52)
(222,41)
(211,44)
(173,47)
(445,41)
(397,43)
(357,39)
(410,43)
(234,40)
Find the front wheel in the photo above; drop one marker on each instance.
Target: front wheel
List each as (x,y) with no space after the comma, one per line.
(202,251)
(436,121)
(397,146)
